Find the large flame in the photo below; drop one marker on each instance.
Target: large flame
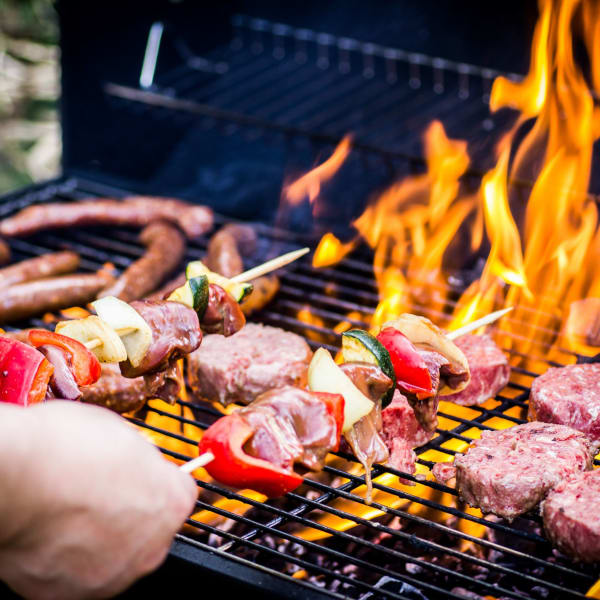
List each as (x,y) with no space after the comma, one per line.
(542,256)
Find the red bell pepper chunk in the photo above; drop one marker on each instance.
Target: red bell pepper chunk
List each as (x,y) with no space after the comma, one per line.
(412,374)
(225,439)
(335,407)
(84,365)
(24,373)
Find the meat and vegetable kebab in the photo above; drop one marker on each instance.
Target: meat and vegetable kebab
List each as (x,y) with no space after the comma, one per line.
(154,334)
(373,368)
(260,358)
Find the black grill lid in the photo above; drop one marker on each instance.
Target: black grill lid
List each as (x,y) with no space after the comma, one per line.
(308,73)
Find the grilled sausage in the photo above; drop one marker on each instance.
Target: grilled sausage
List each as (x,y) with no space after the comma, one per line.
(264,291)
(225,247)
(46,265)
(116,392)
(165,250)
(224,257)
(133,211)
(4,252)
(34,297)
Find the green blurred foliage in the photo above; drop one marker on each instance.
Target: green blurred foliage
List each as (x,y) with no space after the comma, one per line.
(29,19)
(29,89)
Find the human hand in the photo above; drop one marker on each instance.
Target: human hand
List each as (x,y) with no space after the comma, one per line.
(89,506)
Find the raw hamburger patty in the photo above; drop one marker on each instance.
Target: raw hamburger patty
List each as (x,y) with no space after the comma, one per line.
(508,472)
(570,516)
(569,396)
(489,368)
(240,367)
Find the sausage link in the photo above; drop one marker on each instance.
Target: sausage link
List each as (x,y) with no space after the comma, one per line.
(224,256)
(116,392)
(225,248)
(31,298)
(46,265)
(165,250)
(133,211)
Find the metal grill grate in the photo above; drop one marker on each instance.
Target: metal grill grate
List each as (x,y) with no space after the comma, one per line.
(420,545)
(275,77)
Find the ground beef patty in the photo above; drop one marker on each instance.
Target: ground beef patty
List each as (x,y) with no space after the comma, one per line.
(508,472)
(570,516)
(569,396)
(240,367)
(489,369)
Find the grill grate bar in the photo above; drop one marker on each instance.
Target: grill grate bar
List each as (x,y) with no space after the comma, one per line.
(356,481)
(341,492)
(411,538)
(522,569)
(307,564)
(352,538)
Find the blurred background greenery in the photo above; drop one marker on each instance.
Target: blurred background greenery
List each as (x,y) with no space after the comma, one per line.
(29,91)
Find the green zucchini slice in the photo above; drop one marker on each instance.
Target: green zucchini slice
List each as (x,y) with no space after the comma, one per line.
(193,293)
(237,290)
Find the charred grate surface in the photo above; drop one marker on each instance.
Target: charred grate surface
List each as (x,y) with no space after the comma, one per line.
(413,542)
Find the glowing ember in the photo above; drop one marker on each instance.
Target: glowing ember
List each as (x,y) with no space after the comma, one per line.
(313,322)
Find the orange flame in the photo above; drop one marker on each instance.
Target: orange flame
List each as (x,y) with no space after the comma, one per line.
(541,262)
(331,250)
(309,185)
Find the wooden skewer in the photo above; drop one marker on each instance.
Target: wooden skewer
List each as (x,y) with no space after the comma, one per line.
(207,457)
(98,342)
(191,465)
(452,335)
(270,265)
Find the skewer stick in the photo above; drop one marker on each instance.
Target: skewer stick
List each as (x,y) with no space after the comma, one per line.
(98,342)
(270,265)
(191,465)
(207,457)
(452,335)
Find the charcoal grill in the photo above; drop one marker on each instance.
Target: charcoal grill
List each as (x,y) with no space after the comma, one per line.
(292,91)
